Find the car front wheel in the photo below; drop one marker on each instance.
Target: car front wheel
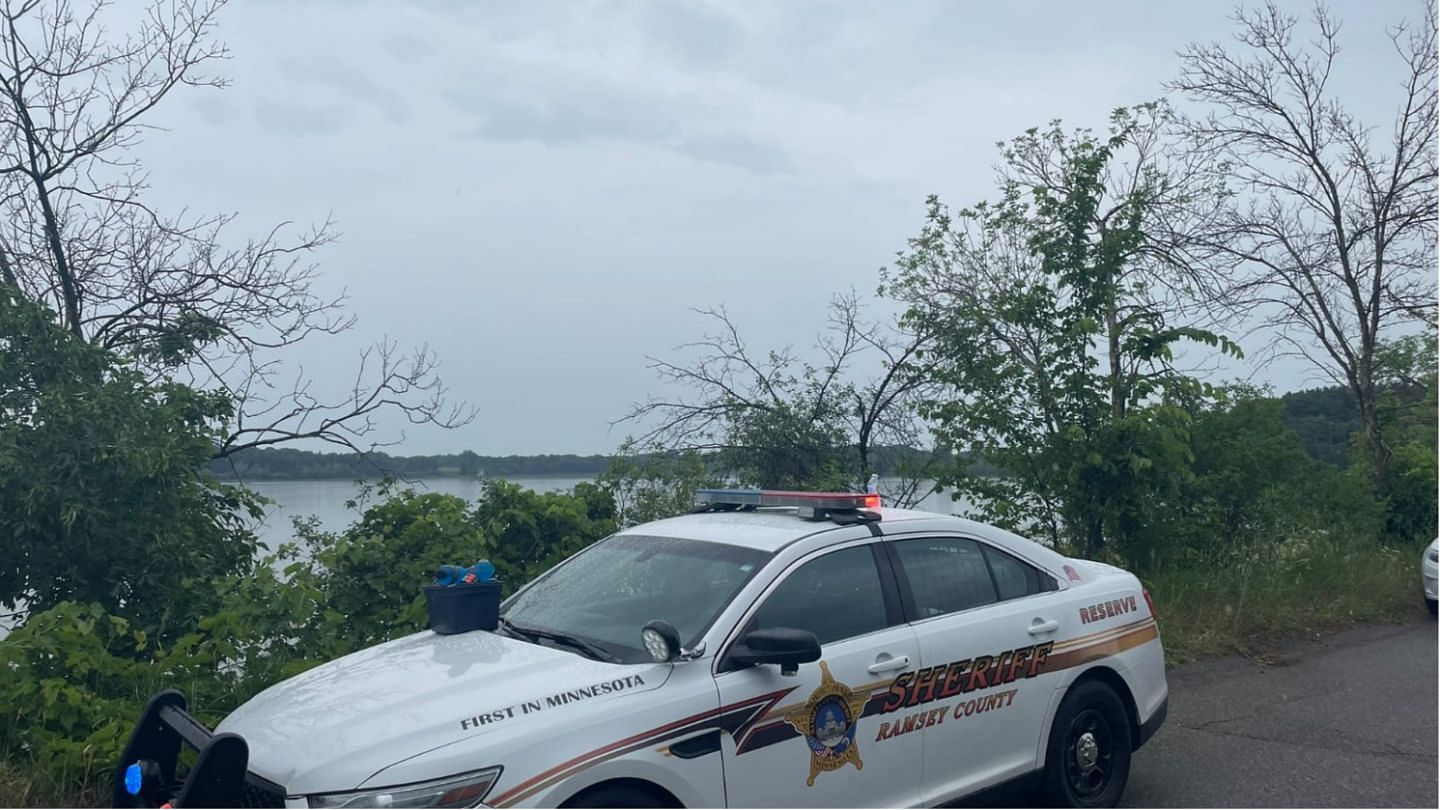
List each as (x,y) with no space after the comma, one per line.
(1087,759)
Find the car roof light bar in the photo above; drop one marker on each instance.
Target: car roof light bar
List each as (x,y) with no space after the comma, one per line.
(813,503)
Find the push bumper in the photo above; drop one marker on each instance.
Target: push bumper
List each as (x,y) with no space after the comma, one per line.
(1149,727)
(218,778)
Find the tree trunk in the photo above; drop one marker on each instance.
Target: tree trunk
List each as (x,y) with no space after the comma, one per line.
(1379,451)
(68,290)
(1118,395)
(1095,538)
(7,273)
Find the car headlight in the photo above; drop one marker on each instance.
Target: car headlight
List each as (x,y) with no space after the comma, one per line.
(1434,555)
(461,790)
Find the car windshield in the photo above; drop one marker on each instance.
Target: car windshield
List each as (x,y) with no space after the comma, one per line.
(606,594)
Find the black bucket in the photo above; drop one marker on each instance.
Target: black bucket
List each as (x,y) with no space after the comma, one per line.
(462,608)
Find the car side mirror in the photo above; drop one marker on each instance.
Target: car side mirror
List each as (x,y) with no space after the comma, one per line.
(785,646)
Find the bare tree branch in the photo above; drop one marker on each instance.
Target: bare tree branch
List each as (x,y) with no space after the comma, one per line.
(1333,227)
(171,292)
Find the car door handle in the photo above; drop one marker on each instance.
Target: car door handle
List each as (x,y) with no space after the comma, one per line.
(889,664)
(1040,627)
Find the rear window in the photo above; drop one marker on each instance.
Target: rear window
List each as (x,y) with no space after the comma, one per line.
(1014,578)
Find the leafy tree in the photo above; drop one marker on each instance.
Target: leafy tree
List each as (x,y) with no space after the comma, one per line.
(1054,347)
(646,487)
(103,495)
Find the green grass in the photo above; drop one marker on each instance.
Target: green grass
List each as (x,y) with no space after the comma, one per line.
(1296,589)
(42,787)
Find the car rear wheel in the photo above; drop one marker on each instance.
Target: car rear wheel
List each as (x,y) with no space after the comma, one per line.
(1087,759)
(1432,606)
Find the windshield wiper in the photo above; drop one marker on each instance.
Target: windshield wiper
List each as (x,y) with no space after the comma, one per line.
(510,628)
(532,633)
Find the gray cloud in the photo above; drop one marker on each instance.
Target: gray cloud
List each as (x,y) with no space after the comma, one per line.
(695,34)
(540,191)
(216,110)
(737,150)
(346,83)
(570,120)
(295,118)
(408,46)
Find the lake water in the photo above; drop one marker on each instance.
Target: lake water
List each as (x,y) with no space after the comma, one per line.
(325,500)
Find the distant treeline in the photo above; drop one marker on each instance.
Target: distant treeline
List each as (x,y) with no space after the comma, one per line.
(271,464)
(286,464)
(1325,418)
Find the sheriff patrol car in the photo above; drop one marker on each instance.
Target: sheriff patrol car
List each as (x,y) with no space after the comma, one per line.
(773,649)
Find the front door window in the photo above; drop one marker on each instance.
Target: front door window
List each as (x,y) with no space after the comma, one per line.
(812,741)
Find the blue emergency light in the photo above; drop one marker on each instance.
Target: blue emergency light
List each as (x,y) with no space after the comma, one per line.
(133,779)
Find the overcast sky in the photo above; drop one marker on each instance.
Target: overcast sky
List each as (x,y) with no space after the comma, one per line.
(541,191)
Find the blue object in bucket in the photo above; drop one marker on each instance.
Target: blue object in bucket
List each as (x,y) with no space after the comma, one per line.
(133,779)
(449,574)
(481,571)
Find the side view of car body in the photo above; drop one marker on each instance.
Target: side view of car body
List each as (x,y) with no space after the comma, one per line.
(877,657)
(1429,562)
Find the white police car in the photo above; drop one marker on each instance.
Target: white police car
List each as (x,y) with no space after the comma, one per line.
(1429,573)
(780,649)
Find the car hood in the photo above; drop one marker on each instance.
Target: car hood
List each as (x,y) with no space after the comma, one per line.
(332,727)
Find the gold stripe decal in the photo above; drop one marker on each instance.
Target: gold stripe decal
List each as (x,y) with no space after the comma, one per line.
(1103,648)
(906,690)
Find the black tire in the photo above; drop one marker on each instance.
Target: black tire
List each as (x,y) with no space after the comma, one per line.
(1432,606)
(618,796)
(1087,759)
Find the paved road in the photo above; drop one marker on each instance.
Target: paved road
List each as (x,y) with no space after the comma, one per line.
(1348,720)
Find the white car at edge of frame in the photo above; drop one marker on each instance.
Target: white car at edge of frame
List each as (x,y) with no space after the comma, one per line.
(1429,562)
(778,650)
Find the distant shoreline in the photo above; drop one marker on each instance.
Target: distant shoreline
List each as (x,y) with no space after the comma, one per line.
(241,479)
(288,464)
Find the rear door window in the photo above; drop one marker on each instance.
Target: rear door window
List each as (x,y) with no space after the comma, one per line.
(946,574)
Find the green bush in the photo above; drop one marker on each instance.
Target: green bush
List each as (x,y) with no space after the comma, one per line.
(1251,488)
(1410,512)
(102,496)
(331,593)
(527,533)
(72,682)
(74,678)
